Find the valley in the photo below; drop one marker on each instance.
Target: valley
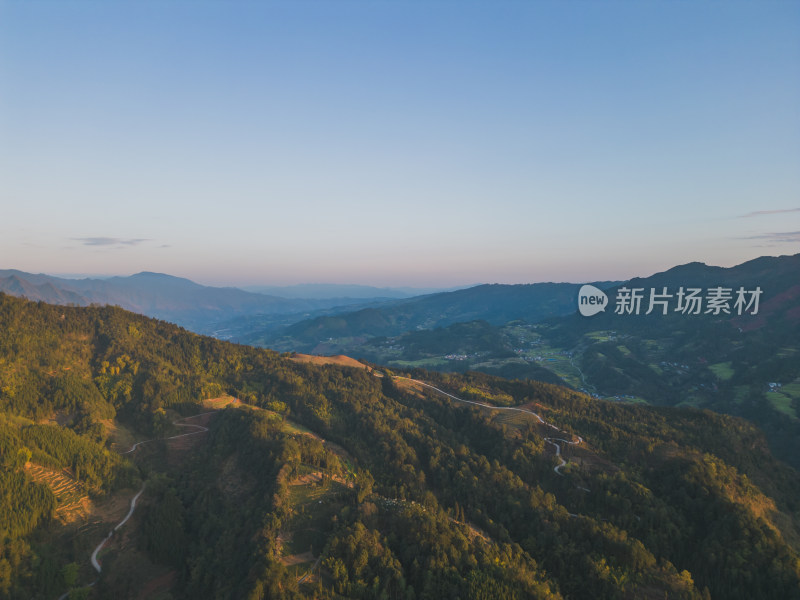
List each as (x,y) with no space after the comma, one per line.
(745,366)
(296,476)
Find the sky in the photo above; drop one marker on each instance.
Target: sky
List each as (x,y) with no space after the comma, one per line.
(397,143)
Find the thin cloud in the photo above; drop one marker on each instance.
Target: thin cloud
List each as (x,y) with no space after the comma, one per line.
(779,237)
(110,241)
(760,213)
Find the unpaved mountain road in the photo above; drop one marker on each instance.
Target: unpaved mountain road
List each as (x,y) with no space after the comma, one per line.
(99,547)
(95,563)
(177,423)
(550,440)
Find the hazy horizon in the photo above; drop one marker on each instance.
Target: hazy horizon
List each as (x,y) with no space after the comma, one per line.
(389,286)
(397,144)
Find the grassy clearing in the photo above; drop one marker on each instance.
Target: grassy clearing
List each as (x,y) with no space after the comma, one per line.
(636,400)
(554,360)
(740,393)
(566,370)
(339,359)
(599,336)
(722,370)
(782,403)
(792,390)
(628,399)
(287,425)
(424,363)
(220,403)
(656,369)
(691,402)
(293,427)
(516,421)
(300,495)
(17,421)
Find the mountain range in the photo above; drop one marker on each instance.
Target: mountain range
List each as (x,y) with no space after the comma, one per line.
(257,318)
(332,290)
(161,296)
(139,460)
(494,303)
(746,365)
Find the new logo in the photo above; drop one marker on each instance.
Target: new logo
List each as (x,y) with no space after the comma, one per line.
(591,300)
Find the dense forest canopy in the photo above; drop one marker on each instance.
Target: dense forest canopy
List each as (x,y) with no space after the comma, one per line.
(391,489)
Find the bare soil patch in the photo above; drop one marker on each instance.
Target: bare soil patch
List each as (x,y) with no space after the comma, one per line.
(221,402)
(340,359)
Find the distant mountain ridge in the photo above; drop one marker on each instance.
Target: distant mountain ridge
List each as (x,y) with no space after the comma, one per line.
(334,290)
(160,296)
(46,292)
(205,309)
(494,303)
(498,304)
(747,365)
(778,277)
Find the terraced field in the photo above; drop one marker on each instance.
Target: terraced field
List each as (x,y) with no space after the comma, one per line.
(73,501)
(514,420)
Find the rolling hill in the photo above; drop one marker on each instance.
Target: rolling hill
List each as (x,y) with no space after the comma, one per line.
(329,481)
(745,365)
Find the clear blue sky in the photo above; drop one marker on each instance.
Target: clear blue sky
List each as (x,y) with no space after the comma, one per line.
(397,143)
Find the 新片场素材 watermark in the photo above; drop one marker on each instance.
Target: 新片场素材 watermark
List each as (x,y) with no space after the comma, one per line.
(685,300)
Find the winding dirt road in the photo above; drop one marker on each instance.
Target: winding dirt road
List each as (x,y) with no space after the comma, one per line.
(550,440)
(97,566)
(99,547)
(174,437)
(553,441)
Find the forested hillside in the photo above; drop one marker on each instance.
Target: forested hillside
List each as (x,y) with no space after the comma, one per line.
(341,482)
(496,304)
